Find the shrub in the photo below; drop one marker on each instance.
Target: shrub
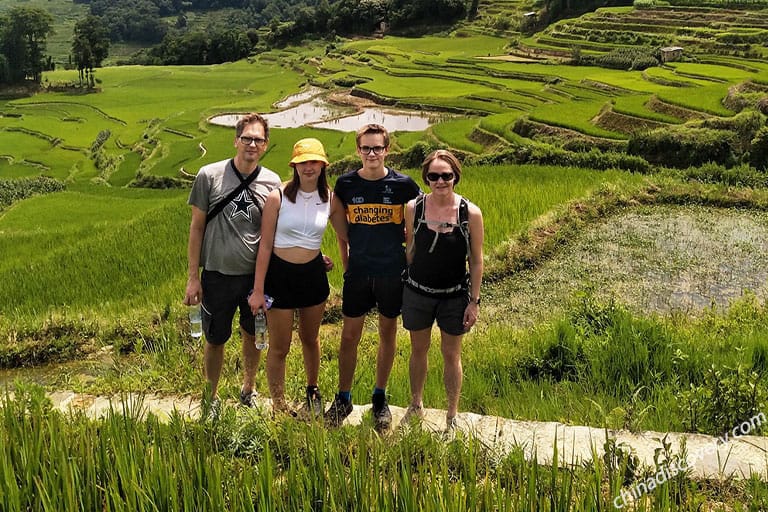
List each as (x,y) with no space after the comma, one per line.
(624,353)
(16,190)
(561,359)
(682,147)
(628,58)
(738,176)
(758,153)
(726,398)
(543,154)
(159,182)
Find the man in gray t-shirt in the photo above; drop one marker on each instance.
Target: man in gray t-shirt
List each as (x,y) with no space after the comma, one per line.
(224,238)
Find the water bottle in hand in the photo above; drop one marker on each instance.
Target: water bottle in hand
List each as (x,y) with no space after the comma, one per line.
(195,321)
(260,325)
(260,329)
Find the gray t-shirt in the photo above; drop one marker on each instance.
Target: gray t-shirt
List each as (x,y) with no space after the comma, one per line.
(232,238)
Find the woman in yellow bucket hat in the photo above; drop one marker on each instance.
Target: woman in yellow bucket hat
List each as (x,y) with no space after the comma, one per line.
(292,271)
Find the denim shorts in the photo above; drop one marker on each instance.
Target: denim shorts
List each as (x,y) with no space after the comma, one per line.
(420,312)
(362,293)
(222,295)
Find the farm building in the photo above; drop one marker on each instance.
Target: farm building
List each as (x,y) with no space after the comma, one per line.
(671,53)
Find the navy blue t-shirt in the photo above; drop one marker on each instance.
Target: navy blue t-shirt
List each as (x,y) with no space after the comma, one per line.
(375,212)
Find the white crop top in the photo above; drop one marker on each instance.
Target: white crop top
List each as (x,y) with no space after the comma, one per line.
(302,224)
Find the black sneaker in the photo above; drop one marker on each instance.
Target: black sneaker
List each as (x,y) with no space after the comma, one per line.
(337,412)
(382,418)
(248,399)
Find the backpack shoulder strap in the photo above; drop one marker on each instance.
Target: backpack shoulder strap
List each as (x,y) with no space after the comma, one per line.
(464,222)
(419,213)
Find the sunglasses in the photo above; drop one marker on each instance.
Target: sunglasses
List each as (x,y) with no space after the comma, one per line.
(434,176)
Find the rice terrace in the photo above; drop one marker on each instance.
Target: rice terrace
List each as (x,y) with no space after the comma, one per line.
(618,150)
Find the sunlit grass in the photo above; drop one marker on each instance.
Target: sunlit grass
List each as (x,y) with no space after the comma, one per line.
(456,134)
(580,114)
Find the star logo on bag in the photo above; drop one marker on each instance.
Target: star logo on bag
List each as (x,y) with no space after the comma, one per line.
(242,206)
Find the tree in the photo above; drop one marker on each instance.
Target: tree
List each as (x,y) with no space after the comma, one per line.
(90,46)
(23,38)
(472,13)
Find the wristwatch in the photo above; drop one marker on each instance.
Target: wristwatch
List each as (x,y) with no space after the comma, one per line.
(476,301)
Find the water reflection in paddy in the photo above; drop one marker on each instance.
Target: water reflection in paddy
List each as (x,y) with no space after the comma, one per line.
(319,113)
(302,96)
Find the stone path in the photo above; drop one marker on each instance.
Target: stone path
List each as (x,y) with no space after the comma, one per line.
(708,456)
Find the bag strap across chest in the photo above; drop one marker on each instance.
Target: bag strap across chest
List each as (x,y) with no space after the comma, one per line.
(244,185)
(419,219)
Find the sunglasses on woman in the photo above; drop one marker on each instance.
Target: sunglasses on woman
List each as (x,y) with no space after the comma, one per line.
(434,176)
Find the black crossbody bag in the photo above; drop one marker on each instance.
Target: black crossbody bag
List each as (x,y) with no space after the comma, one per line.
(244,183)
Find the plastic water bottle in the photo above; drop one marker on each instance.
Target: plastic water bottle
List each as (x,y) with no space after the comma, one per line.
(195,321)
(260,325)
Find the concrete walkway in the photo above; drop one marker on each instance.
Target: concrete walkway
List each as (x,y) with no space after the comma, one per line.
(708,456)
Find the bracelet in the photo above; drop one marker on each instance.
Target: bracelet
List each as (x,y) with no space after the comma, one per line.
(476,301)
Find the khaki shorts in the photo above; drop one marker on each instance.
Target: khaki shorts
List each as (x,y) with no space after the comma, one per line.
(421,311)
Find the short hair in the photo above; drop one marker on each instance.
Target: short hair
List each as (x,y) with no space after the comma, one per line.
(446,156)
(372,129)
(252,118)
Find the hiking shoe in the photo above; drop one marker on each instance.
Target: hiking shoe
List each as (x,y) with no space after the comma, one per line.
(282,409)
(414,413)
(248,398)
(337,412)
(382,418)
(313,408)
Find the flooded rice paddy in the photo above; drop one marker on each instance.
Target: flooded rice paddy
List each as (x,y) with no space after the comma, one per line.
(311,108)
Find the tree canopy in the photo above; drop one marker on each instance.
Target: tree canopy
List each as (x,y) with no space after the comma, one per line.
(90,46)
(23,36)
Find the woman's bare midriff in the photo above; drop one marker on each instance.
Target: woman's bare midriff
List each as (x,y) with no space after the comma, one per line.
(296,255)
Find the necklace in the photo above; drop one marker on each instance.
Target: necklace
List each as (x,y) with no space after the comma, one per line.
(306,196)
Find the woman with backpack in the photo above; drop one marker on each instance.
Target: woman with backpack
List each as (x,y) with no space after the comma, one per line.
(444,250)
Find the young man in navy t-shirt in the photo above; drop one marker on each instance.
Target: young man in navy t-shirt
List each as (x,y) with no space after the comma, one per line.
(373,198)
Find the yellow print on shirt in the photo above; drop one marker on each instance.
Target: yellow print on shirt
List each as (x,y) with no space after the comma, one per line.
(375,213)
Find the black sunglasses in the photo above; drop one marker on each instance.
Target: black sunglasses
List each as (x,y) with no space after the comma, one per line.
(434,176)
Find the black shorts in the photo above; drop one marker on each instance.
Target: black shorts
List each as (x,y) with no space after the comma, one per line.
(296,285)
(222,295)
(420,311)
(362,293)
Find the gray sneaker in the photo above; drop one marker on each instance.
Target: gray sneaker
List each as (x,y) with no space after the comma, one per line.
(337,412)
(248,398)
(414,413)
(313,408)
(382,417)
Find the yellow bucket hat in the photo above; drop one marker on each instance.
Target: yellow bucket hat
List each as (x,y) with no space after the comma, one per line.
(306,150)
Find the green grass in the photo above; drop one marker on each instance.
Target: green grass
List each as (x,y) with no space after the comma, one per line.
(706,99)
(579,115)
(122,462)
(456,134)
(636,106)
(125,269)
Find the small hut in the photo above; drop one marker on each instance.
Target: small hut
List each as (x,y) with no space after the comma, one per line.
(671,53)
